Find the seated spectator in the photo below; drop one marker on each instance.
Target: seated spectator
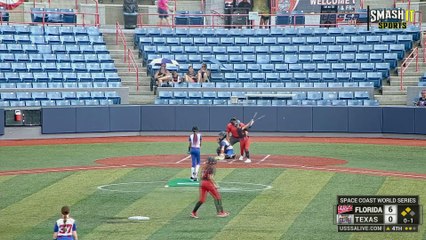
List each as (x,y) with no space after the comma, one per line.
(176,78)
(203,74)
(191,76)
(422,99)
(162,76)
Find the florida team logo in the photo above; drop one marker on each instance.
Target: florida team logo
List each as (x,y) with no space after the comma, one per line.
(344,208)
(10,4)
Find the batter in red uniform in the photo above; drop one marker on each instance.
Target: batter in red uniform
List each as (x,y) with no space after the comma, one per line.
(231,129)
(242,130)
(208,185)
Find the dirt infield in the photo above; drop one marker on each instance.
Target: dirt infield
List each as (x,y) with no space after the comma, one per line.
(259,161)
(378,141)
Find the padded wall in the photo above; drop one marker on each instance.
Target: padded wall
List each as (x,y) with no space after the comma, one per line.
(404,120)
(330,119)
(59,120)
(189,116)
(125,118)
(365,120)
(398,120)
(158,118)
(1,121)
(92,119)
(294,119)
(420,120)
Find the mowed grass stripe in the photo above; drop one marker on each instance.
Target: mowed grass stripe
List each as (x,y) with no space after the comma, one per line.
(160,205)
(399,186)
(319,212)
(32,210)
(21,186)
(262,218)
(208,225)
(101,206)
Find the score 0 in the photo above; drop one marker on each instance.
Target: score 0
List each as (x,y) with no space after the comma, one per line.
(391,214)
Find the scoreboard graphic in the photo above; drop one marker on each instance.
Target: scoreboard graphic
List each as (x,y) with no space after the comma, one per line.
(378,213)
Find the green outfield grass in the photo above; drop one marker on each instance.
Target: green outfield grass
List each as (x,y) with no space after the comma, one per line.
(298,206)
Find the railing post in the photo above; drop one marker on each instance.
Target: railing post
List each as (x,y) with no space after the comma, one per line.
(417,59)
(116,33)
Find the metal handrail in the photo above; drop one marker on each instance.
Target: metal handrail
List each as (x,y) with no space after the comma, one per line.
(406,63)
(119,35)
(132,63)
(128,53)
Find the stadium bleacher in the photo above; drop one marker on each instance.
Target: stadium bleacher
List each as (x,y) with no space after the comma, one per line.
(276,55)
(60,59)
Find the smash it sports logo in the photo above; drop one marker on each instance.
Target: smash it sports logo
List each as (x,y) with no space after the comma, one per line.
(392,18)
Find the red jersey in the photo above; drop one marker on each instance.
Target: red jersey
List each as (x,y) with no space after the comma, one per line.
(207,172)
(230,128)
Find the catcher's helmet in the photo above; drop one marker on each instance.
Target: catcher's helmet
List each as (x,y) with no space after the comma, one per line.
(211,160)
(222,134)
(195,129)
(233,119)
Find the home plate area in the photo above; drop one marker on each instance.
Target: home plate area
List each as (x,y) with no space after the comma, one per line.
(258,161)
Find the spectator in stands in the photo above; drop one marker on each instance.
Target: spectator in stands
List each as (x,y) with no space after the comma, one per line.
(162,76)
(176,78)
(191,75)
(422,99)
(203,74)
(264,10)
(244,7)
(163,12)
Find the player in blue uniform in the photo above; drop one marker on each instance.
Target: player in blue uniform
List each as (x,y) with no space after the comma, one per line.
(65,228)
(225,149)
(194,147)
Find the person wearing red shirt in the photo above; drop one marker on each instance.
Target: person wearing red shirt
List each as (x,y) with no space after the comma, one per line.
(208,185)
(242,130)
(232,132)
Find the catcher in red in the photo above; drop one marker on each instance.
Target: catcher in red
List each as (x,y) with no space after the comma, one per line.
(208,185)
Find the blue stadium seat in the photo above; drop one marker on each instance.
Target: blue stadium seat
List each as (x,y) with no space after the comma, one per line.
(39,84)
(343,40)
(302,49)
(354,102)
(244,77)
(335,49)
(375,77)
(281,67)
(339,102)
(289,49)
(405,39)
(253,67)
(391,58)
(235,85)
(384,68)
(398,49)
(209,95)
(367,67)
(323,67)
(347,57)
(328,40)
(262,49)
(356,39)
(359,76)
(300,76)
(343,76)
(350,49)
(376,57)
(69,76)
(353,67)
(303,58)
(370,103)
(22,57)
(314,77)
(365,48)
(231,77)
(235,58)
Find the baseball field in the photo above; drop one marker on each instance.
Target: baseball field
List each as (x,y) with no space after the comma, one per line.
(287,192)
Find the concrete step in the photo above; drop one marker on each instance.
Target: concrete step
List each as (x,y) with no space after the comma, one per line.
(141,99)
(405,83)
(391,99)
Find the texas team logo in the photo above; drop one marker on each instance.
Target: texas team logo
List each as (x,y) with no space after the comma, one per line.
(10,4)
